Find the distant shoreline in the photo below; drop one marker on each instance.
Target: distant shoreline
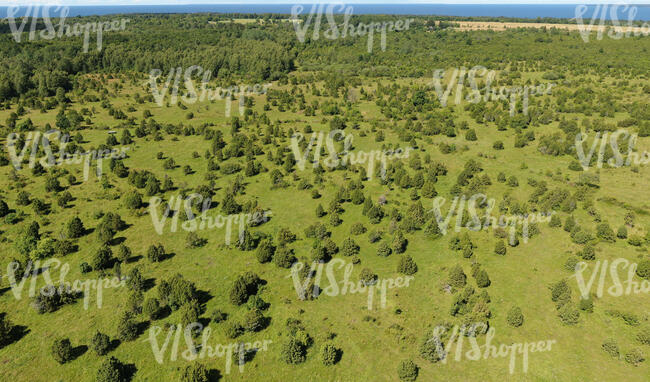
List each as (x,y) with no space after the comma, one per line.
(541,13)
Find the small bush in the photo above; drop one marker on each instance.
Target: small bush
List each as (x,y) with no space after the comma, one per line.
(482,279)
(85,267)
(127,329)
(219,316)
(643,269)
(293,351)
(367,277)
(111,370)
(457,277)
(569,314)
(515,317)
(571,263)
(100,343)
(151,308)
(644,335)
(329,354)
(195,372)
(253,320)
(358,229)
(284,257)
(406,265)
(635,357)
(234,330)
(384,250)
(611,347)
(500,248)
(407,371)
(586,304)
(62,350)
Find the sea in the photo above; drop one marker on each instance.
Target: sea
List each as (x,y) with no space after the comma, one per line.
(528,11)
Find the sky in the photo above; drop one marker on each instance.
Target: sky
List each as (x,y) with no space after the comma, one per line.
(151,2)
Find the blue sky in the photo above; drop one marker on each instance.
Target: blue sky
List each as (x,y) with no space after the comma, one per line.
(150,2)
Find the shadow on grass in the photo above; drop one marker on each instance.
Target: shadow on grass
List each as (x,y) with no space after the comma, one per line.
(214,375)
(128,371)
(79,351)
(134,259)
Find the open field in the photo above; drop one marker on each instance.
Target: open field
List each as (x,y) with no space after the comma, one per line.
(501,26)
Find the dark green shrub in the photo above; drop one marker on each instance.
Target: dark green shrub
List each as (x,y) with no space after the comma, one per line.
(406,265)
(127,328)
(329,354)
(123,253)
(407,371)
(571,263)
(100,343)
(643,269)
(265,251)
(293,351)
(399,242)
(515,317)
(367,277)
(61,350)
(103,258)
(253,320)
(457,277)
(85,267)
(111,370)
(349,247)
(151,308)
(233,330)
(284,257)
(482,279)
(155,253)
(6,328)
(555,221)
(195,372)
(384,250)
(190,313)
(133,201)
(605,232)
(610,347)
(500,248)
(635,356)
(643,336)
(75,228)
(586,304)
(588,252)
(357,229)
(569,315)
